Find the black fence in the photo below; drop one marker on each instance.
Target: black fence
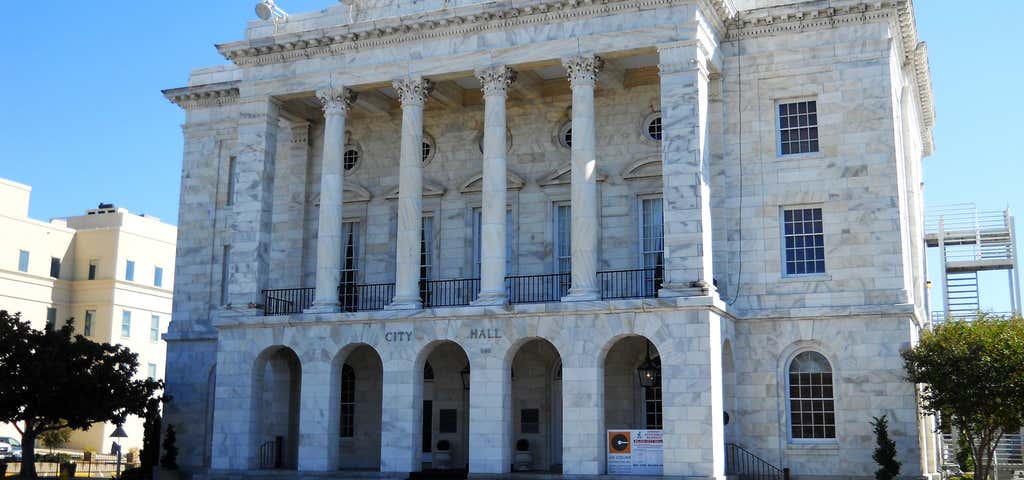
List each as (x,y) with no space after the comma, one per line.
(449,293)
(614,284)
(537,288)
(286,301)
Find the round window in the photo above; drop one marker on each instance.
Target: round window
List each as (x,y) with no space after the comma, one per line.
(652,127)
(565,134)
(428,148)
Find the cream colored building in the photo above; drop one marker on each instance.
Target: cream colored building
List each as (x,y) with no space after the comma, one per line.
(109,269)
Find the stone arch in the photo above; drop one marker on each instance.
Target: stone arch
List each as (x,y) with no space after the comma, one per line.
(475,184)
(729,400)
(446,401)
(211,402)
(533,366)
(627,403)
(647,167)
(362,448)
(276,393)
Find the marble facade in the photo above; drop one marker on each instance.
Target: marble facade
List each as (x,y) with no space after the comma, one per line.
(452,116)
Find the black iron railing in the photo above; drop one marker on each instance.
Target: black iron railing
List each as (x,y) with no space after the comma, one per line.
(636,283)
(449,293)
(537,288)
(365,297)
(286,301)
(614,284)
(747,466)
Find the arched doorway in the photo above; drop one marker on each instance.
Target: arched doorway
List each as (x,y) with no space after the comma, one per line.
(536,373)
(632,401)
(445,388)
(358,381)
(729,393)
(277,377)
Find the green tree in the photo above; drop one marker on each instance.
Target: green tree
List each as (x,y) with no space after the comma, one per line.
(170,458)
(54,380)
(963,454)
(973,373)
(885,452)
(56,438)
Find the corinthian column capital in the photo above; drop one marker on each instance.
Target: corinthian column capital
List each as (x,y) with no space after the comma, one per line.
(336,99)
(495,80)
(413,90)
(583,69)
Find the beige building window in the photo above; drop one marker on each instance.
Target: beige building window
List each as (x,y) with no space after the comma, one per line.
(129,271)
(54,267)
(126,324)
(154,328)
(51,318)
(158,277)
(90,317)
(93,265)
(23,260)
(151,371)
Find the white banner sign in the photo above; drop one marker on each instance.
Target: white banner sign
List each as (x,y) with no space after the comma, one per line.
(635,452)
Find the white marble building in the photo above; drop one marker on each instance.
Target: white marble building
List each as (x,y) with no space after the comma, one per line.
(418,224)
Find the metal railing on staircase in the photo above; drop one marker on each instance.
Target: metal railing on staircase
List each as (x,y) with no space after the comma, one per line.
(744,465)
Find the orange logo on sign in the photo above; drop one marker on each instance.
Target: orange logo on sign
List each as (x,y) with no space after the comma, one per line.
(618,442)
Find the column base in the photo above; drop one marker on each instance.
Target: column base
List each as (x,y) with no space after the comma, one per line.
(323,308)
(582,295)
(405,303)
(490,299)
(692,289)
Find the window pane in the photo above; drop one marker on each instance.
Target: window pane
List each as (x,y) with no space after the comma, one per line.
(129,271)
(126,324)
(798,128)
(811,406)
(22,261)
(158,277)
(804,241)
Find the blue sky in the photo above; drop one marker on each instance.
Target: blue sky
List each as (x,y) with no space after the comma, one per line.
(82,119)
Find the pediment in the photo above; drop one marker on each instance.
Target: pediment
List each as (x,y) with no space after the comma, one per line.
(354,193)
(649,167)
(475,184)
(563,176)
(430,189)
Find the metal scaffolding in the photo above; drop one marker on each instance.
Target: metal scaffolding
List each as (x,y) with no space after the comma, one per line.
(971,242)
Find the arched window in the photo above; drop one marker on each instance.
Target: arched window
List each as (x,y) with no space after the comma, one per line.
(348,401)
(428,372)
(812,412)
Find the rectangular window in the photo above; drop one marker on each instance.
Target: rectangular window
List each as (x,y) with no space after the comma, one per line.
(347,418)
(563,247)
(529,420)
(158,277)
(225,262)
(93,265)
(154,328)
(478,241)
(129,271)
(151,371)
(54,267)
(426,258)
(126,324)
(428,426)
(231,181)
(652,406)
(349,266)
(811,406)
(51,318)
(22,260)
(804,240)
(449,419)
(90,317)
(652,243)
(798,127)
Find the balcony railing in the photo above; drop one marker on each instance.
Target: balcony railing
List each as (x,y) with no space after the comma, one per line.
(614,284)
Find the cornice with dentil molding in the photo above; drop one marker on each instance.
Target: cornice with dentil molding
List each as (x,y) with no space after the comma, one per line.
(210,95)
(413,28)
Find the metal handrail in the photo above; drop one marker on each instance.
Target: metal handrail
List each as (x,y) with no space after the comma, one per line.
(747,466)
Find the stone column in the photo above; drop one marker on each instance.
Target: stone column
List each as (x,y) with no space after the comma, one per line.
(583,433)
(336,103)
(685,171)
(691,383)
(490,439)
(413,94)
(583,72)
(318,443)
(402,416)
(253,208)
(495,81)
